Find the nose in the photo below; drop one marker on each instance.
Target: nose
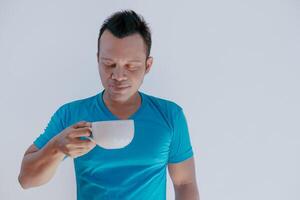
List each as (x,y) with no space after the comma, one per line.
(119,73)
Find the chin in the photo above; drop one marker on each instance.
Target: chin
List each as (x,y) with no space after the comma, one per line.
(119,95)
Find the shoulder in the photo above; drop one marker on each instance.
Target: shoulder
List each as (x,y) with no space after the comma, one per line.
(167,107)
(163,102)
(77,104)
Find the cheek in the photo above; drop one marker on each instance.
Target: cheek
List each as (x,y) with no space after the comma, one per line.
(138,77)
(104,77)
(105,74)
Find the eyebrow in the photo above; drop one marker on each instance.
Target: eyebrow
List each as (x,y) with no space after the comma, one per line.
(134,60)
(103,58)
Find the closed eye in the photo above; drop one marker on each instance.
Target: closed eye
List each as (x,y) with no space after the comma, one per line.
(132,67)
(108,65)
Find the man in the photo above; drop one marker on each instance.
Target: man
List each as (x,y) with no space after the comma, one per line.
(137,171)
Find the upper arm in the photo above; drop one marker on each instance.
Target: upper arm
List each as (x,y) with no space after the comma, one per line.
(183,172)
(54,127)
(180,147)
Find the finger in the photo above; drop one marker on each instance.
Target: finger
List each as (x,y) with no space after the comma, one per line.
(79,124)
(92,140)
(83,143)
(76,154)
(80,132)
(78,147)
(79,152)
(82,124)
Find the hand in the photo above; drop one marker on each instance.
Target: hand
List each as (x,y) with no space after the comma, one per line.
(69,142)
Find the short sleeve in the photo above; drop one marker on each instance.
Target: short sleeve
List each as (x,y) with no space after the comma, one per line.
(180,147)
(54,127)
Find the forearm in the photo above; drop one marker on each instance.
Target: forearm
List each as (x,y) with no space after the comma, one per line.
(187,192)
(39,167)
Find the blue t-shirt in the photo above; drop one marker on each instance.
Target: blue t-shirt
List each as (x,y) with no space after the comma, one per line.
(137,171)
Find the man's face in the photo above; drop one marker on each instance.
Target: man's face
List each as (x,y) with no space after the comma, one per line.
(122,65)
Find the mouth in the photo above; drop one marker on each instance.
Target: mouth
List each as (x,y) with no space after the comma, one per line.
(119,87)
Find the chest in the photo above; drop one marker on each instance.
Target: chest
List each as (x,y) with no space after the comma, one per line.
(150,146)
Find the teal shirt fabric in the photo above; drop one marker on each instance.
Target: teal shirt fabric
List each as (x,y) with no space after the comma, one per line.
(137,171)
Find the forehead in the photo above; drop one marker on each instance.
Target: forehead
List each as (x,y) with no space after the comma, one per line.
(126,47)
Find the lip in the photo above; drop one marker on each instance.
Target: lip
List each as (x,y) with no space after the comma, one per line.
(119,88)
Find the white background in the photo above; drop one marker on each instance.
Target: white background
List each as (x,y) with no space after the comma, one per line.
(232,65)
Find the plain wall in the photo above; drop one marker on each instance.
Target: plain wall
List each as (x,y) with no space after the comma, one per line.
(232,65)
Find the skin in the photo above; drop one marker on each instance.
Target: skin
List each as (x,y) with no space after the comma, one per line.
(39,165)
(122,66)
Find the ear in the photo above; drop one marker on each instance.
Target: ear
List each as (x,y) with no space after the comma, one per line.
(149,62)
(97,54)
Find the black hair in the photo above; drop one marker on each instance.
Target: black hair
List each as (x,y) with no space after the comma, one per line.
(124,23)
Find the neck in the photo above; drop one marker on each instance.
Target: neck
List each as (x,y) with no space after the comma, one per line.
(134,100)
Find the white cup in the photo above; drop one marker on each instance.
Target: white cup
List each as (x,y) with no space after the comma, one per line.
(113,134)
